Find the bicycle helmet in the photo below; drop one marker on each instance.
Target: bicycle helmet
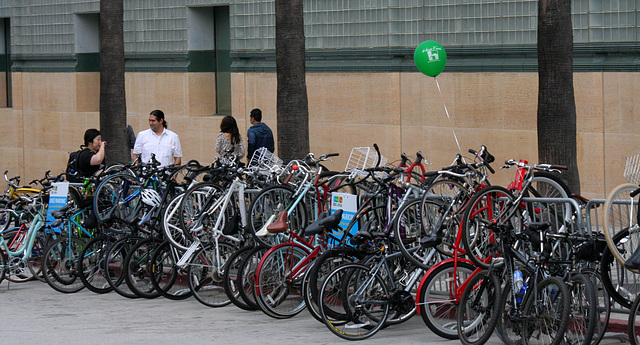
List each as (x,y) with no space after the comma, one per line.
(151,197)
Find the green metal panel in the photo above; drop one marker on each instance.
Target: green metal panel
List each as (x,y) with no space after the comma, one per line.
(222,59)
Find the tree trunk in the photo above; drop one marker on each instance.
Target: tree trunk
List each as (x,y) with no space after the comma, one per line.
(556,102)
(113,109)
(292,102)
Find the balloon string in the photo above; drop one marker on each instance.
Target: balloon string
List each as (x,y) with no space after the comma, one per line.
(449,117)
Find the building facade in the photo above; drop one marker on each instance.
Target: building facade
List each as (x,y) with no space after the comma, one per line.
(198,60)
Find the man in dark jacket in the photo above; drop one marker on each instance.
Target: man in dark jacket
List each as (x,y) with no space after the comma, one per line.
(259,134)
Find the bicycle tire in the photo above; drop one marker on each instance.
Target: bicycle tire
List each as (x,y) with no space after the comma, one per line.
(508,329)
(34,264)
(266,207)
(621,284)
(479,309)
(491,204)
(196,206)
(619,215)
(365,315)
(206,272)
(138,268)
(247,276)
(167,278)
(171,224)
(551,302)
(451,195)
(116,257)
(60,264)
(321,268)
(93,268)
(408,230)
(547,185)
(277,294)
(230,278)
(116,197)
(3,266)
(633,325)
(603,306)
(582,318)
(438,307)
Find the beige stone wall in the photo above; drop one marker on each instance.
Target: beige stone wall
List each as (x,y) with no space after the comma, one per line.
(401,112)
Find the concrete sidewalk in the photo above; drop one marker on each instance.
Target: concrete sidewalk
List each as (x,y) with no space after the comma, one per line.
(33,313)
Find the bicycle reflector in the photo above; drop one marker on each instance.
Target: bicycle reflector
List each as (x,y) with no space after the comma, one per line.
(294,167)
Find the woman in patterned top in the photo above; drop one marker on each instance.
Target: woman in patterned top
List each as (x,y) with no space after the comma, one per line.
(229,143)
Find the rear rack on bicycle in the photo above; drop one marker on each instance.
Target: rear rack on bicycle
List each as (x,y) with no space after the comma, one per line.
(632,169)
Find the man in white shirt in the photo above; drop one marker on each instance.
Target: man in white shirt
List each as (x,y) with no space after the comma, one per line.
(159,140)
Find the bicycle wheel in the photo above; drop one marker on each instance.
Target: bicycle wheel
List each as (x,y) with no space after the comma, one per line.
(547,185)
(171,224)
(278,293)
(93,268)
(247,276)
(621,213)
(138,268)
(61,262)
(34,263)
(489,205)
(7,220)
(633,327)
(547,313)
(509,323)
(582,318)
(206,271)
(450,196)
(318,272)
(116,197)
(621,284)
(479,309)
(231,274)
(167,278)
(437,302)
(3,266)
(266,207)
(408,230)
(116,256)
(363,298)
(19,270)
(603,304)
(201,204)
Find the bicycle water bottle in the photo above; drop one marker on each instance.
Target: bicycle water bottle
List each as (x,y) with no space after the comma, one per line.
(521,293)
(518,282)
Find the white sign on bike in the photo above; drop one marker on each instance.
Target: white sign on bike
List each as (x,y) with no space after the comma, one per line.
(57,197)
(348,203)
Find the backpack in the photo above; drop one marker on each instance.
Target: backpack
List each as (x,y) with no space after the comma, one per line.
(73,167)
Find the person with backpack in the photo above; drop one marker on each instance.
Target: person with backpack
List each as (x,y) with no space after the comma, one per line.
(88,160)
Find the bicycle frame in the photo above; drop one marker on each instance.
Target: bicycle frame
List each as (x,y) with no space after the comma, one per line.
(24,252)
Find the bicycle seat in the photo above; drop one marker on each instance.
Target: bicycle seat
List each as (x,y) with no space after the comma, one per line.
(324,222)
(360,237)
(539,226)
(59,213)
(633,262)
(280,225)
(430,241)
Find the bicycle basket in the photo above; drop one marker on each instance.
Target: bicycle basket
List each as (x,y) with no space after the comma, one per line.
(362,158)
(632,169)
(262,158)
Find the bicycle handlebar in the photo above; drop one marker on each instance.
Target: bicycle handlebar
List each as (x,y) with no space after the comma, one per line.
(548,167)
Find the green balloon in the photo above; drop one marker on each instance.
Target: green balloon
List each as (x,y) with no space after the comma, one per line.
(430,58)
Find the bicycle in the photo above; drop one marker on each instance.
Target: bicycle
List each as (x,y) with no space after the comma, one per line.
(22,259)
